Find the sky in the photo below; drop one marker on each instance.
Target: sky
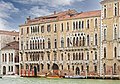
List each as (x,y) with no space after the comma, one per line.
(14,12)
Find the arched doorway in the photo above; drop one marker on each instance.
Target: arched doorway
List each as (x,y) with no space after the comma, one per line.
(35,71)
(55,69)
(77,72)
(104,66)
(4,70)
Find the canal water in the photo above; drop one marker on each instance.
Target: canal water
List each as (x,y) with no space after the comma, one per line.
(55,81)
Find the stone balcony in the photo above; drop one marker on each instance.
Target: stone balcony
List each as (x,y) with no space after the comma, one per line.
(28,62)
(118,58)
(95,61)
(77,62)
(87,62)
(61,62)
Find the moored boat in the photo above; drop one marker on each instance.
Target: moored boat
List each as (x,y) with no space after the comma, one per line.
(75,77)
(53,77)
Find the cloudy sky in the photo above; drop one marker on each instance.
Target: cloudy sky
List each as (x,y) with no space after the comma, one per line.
(14,12)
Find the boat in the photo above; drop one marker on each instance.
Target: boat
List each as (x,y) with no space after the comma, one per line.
(75,77)
(53,77)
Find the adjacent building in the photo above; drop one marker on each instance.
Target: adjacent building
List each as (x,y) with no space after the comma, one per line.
(110,38)
(7,37)
(10,59)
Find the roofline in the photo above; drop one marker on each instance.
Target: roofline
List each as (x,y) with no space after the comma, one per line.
(63,19)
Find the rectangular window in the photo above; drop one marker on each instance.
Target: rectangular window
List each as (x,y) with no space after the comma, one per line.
(27,30)
(82,24)
(73,68)
(48,56)
(62,56)
(116,9)
(55,28)
(9,68)
(87,55)
(31,30)
(67,26)
(42,29)
(62,27)
(73,25)
(38,28)
(48,28)
(79,24)
(21,31)
(95,67)
(11,57)
(105,11)
(3,57)
(87,69)
(21,45)
(82,68)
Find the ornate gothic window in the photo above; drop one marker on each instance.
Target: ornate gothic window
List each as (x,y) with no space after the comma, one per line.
(49,43)
(68,42)
(88,40)
(88,24)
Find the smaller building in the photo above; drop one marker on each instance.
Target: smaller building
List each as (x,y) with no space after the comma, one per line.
(10,59)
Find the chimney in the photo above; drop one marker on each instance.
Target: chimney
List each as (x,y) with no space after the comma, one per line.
(28,18)
(54,12)
(68,9)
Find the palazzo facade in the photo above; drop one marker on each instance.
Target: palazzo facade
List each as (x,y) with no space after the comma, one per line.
(72,43)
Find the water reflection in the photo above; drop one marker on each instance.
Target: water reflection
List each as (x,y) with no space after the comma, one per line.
(55,81)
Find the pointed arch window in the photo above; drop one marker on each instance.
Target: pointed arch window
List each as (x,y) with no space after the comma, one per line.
(74,41)
(73,25)
(49,43)
(77,43)
(105,34)
(68,56)
(73,56)
(95,39)
(76,56)
(62,42)
(80,41)
(88,24)
(115,33)
(104,52)
(87,55)
(79,24)
(43,44)
(68,42)
(115,52)
(115,67)
(96,23)
(88,40)
(76,25)
(83,41)
(105,12)
(55,43)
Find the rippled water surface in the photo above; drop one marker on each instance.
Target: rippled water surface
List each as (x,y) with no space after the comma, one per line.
(55,81)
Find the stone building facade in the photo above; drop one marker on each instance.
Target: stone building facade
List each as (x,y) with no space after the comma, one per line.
(7,37)
(110,38)
(10,59)
(71,43)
